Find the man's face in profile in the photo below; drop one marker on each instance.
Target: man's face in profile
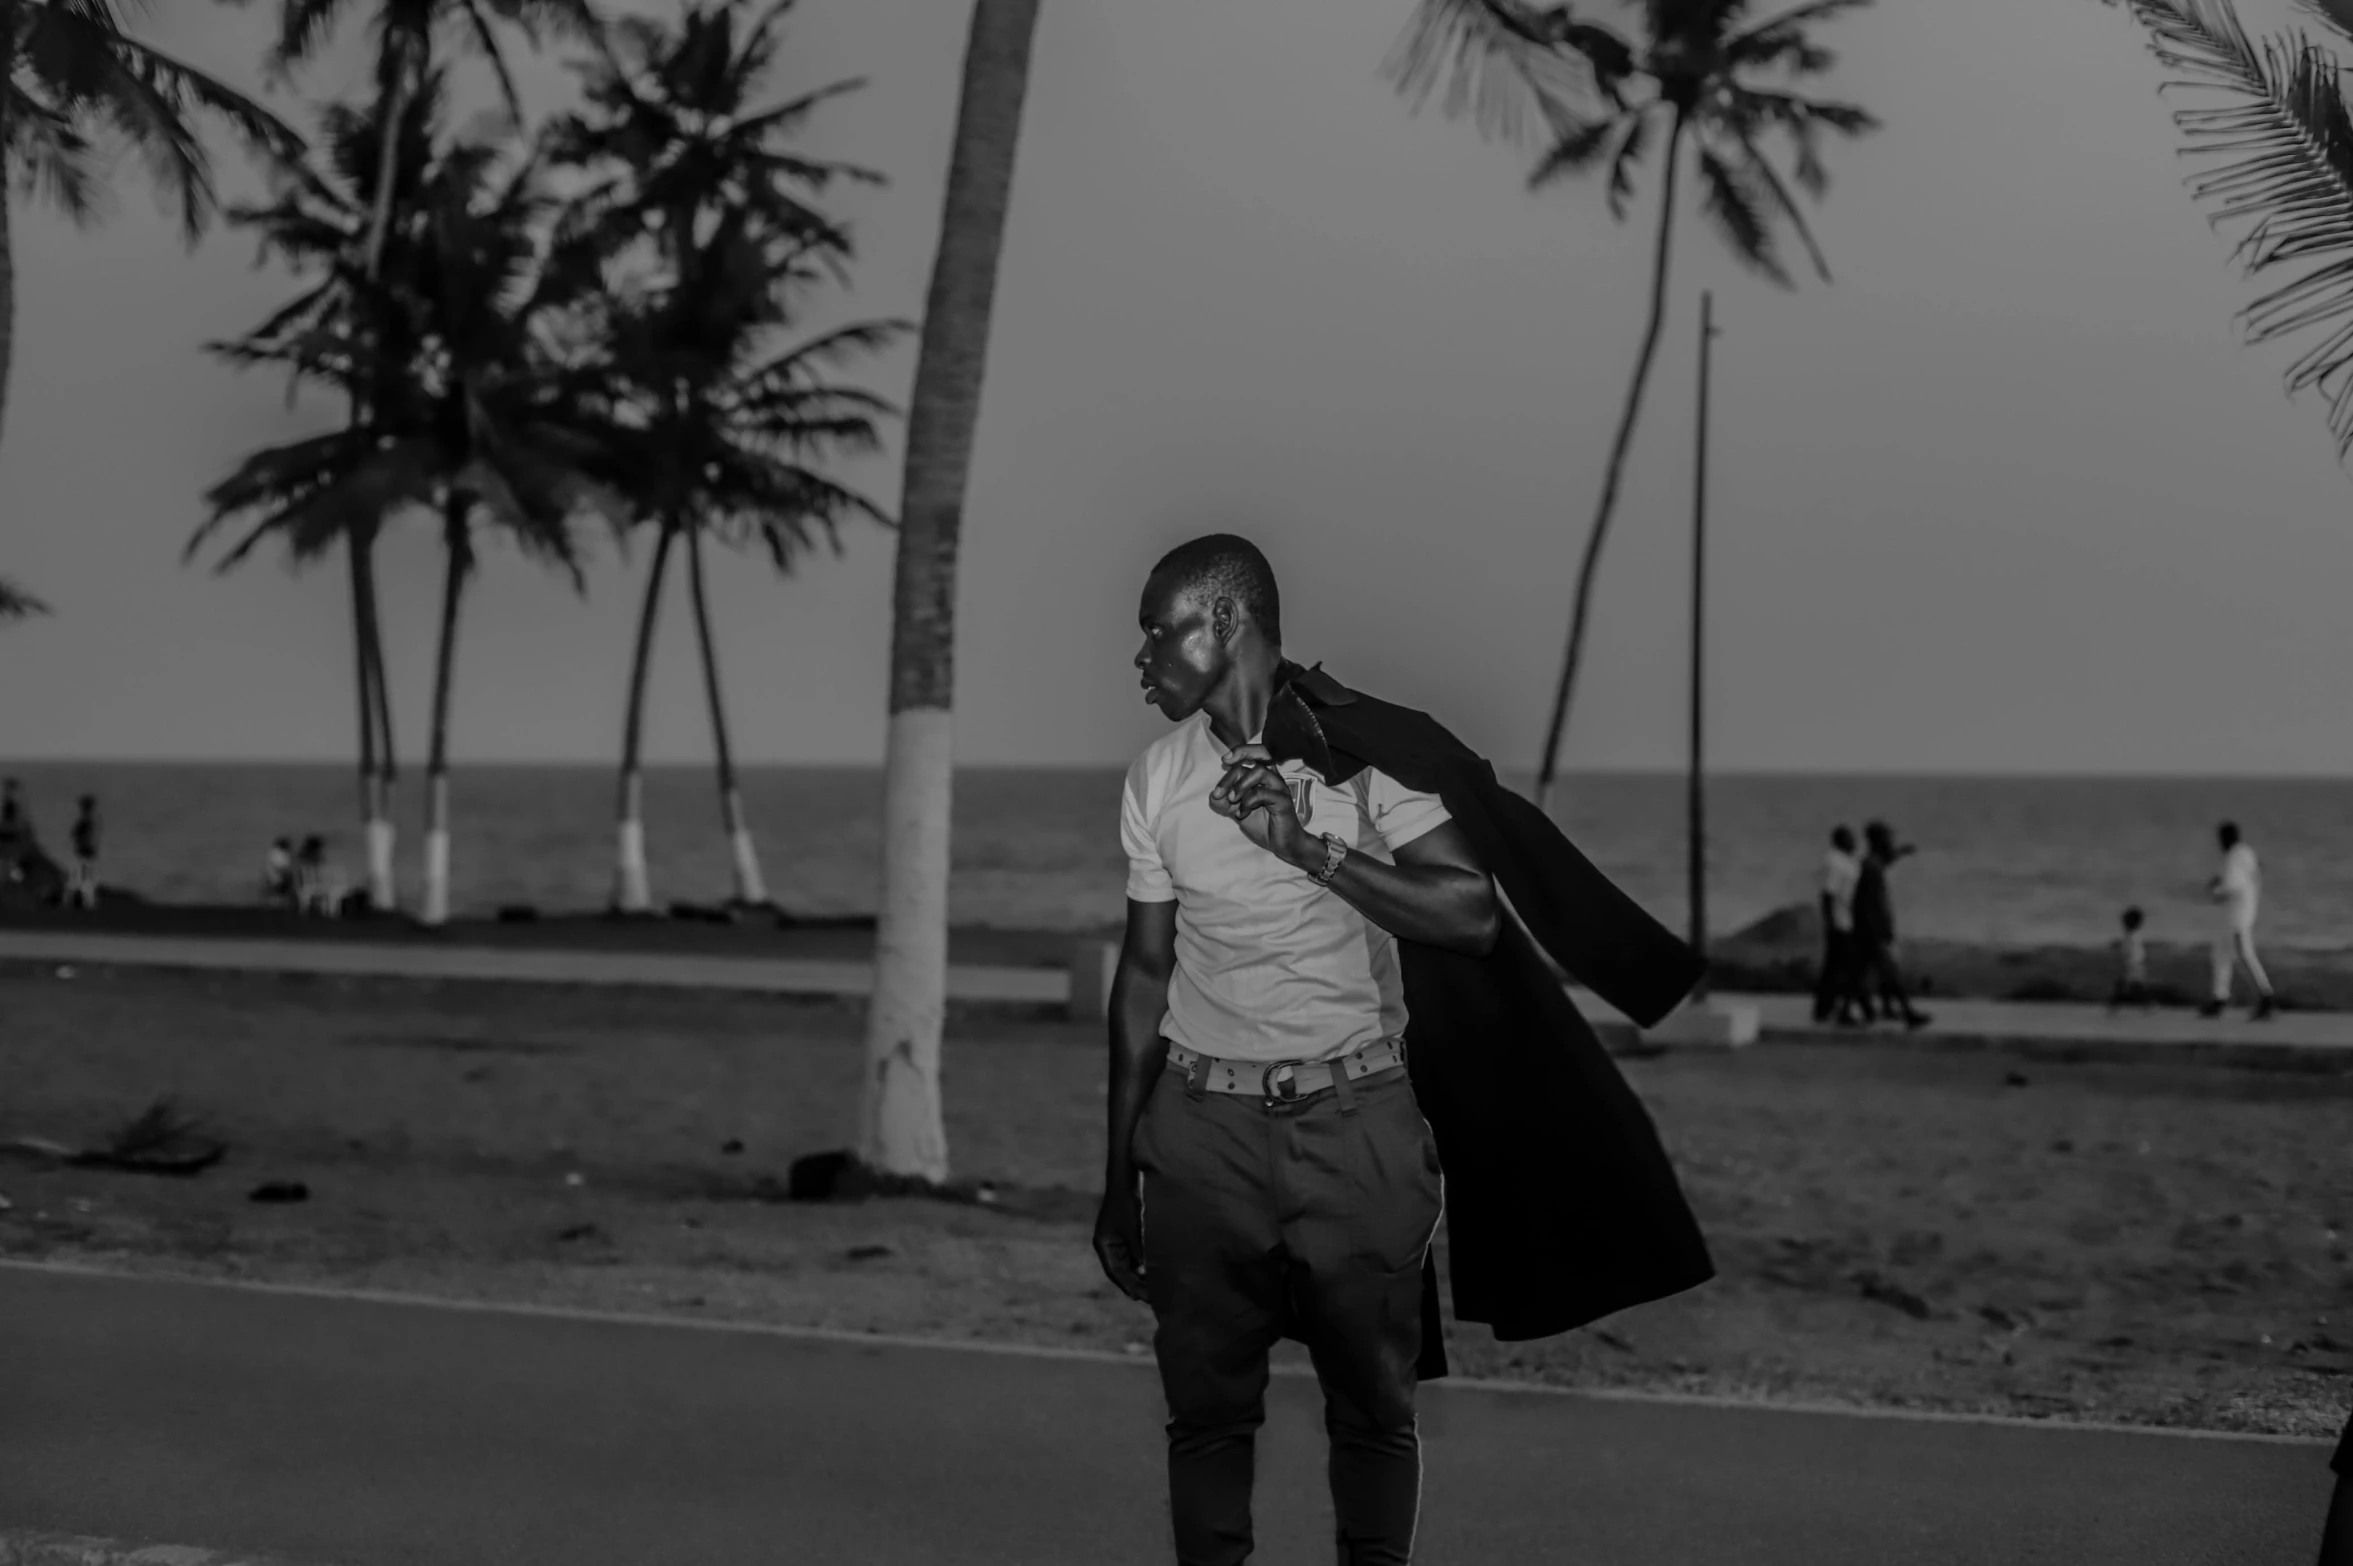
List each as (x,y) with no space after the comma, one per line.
(1182,659)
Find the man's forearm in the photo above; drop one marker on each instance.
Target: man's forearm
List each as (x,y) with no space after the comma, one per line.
(1434,904)
(1138,1055)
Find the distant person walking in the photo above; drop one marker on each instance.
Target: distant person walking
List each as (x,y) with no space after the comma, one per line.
(81,887)
(2132,964)
(1839,991)
(1875,925)
(2236,889)
(15,831)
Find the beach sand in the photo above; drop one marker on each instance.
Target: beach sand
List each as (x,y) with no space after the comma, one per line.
(2151,1242)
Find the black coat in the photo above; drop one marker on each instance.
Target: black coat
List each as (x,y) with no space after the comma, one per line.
(1561,1204)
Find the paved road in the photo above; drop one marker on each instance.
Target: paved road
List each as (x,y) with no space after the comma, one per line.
(365,1433)
(1782,1017)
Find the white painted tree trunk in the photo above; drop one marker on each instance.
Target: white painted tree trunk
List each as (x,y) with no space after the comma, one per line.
(632,887)
(382,840)
(750,886)
(901,1131)
(435,909)
(904,1129)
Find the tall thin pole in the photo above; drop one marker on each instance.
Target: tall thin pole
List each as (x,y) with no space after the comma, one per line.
(1697,856)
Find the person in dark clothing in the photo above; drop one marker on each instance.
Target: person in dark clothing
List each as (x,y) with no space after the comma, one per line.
(1875,925)
(15,830)
(1838,990)
(81,889)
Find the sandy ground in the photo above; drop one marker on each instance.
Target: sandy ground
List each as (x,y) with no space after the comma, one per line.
(2149,1242)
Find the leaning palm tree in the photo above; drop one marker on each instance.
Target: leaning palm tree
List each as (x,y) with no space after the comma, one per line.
(405,70)
(2286,128)
(316,224)
(71,79)
(1699,75)
(673,144)
(474,424)
(902,1130)
(17,604)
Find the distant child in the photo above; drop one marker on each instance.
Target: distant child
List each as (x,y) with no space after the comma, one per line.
(277,873)
(81,888)
(2132,954)
(318,888)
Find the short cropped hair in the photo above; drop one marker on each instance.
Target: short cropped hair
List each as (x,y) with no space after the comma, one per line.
(1227,565)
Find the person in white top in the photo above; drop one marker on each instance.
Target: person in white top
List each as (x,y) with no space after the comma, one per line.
(1269,1173)
(1838,991)
(2237,889)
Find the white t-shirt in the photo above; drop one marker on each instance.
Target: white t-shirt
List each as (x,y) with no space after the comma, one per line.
(1841,874)
(2242,886)
(1269,965)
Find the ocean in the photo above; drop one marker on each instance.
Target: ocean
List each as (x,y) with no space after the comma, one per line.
(2013,860)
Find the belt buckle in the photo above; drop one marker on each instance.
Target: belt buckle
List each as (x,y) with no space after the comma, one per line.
(1289,1088)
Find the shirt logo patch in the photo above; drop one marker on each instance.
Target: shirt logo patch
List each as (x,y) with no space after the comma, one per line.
(1302,797)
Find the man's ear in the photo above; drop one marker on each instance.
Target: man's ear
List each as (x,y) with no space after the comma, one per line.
(1223,621)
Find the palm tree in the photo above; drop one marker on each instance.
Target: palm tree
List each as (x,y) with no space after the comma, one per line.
(405,35)
(70,79)
(317,224)
(675,149)
(1704,74)
(2287,129)
(17,604)
(711,430)
(473,422)
(901,1127)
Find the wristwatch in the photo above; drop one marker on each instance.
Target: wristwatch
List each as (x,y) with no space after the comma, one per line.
(1334,852)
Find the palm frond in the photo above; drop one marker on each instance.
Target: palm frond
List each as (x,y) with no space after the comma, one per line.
(1577,151)
(1734,209)
(2336,15)
(2289,137)
(56,159)
(1496,64)
(17,604)
(1780,39)
(1765,180)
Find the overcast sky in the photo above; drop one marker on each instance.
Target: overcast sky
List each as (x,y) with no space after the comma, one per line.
(2008,496)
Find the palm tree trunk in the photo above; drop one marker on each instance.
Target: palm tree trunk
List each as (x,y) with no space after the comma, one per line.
(1590,567)
(436,900)
(901,1127)
(7,236)
(382,835)
(632,892)
(376,759)
(364,669)
(750,889)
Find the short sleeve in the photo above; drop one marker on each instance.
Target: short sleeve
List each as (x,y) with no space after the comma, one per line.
(1400,814)
(1147,873)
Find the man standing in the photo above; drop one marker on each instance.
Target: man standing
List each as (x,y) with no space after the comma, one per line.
(1836,992)
(1269,1170)
(2236,889)
(1875,925)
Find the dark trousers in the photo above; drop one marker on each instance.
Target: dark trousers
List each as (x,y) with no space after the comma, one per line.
(1837,988)
(1875,961)
(1307,1219)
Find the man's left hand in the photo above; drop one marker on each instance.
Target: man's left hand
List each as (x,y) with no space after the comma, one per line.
(1253,794)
